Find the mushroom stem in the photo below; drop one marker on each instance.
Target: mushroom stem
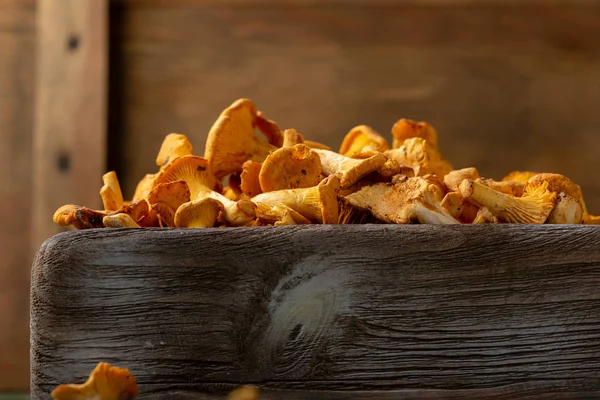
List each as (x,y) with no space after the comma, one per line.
(317,203)
(349,169)
(534,208)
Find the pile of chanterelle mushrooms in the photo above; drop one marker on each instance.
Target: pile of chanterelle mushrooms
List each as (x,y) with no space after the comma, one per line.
(288,180)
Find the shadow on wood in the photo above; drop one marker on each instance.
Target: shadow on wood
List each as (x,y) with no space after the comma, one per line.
(329,312)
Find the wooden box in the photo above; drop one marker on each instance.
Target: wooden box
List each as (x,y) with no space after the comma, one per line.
(324,312)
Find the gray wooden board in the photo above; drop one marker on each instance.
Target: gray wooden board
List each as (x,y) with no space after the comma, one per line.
(323,312)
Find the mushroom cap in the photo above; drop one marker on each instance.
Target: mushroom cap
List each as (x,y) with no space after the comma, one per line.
(418,154)
(144,187)
(453,179)
(199,213)
(350,170)
(270,129)
(174,145)
(514,188)
(290,168)
(485,216)
(112,197)
(194,170)
(232,141)
(105,382)
(167,197)
(360,139)
(403,201)
(405,129)
(558,183)
(250,183)
(519,176)
(119,221)
(567,210)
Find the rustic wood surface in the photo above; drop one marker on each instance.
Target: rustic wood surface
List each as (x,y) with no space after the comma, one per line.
(17,48)
(329,312)
(71,112)
(509,85)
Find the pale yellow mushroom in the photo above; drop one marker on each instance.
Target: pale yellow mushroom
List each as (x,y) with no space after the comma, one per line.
(289,168)
(119,221)
(558,183)
(405,129)
(232,140)
(567,210)
(533,208)
(197,174)
(112,197)
(317,203)
(485,216)
(421,156)
(199,213)
(453,179)
(175,145)
(361,141)
(403,201)
(106,382)
(166,198)
(279,214)
(350,170)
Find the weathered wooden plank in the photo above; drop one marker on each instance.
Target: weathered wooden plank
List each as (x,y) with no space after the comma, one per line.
(502,84)
(328,311)
(70,125)
(17,42)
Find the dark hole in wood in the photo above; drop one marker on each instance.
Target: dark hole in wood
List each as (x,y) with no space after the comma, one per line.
(295,332)
(73,42)
(63,162)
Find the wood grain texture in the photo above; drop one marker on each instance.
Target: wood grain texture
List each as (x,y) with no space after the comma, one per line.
(508,87)
(17,47)
(70,125)
(328,312)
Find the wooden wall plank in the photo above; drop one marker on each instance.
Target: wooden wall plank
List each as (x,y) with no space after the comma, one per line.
(70,130)
(324,312)
(507,87)
(17,47)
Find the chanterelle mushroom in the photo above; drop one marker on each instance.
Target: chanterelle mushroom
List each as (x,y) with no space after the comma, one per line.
(317,203)
(291,137)
(405,129)
(363,139)
(519,176)
(196,172)
(175,145)
(403,201)
(105,383)
(85,218)
(166,198)
(200,213)
(279,214)
(144,187)
(270,129)
(558,183)
(350,170)
(112,197)
(533,208)
(567,210)
(420,155)
(232,140)
(453,179)
(249,178)
(119,221)
(289,168)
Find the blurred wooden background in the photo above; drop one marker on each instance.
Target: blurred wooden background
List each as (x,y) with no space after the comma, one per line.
(508,85)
